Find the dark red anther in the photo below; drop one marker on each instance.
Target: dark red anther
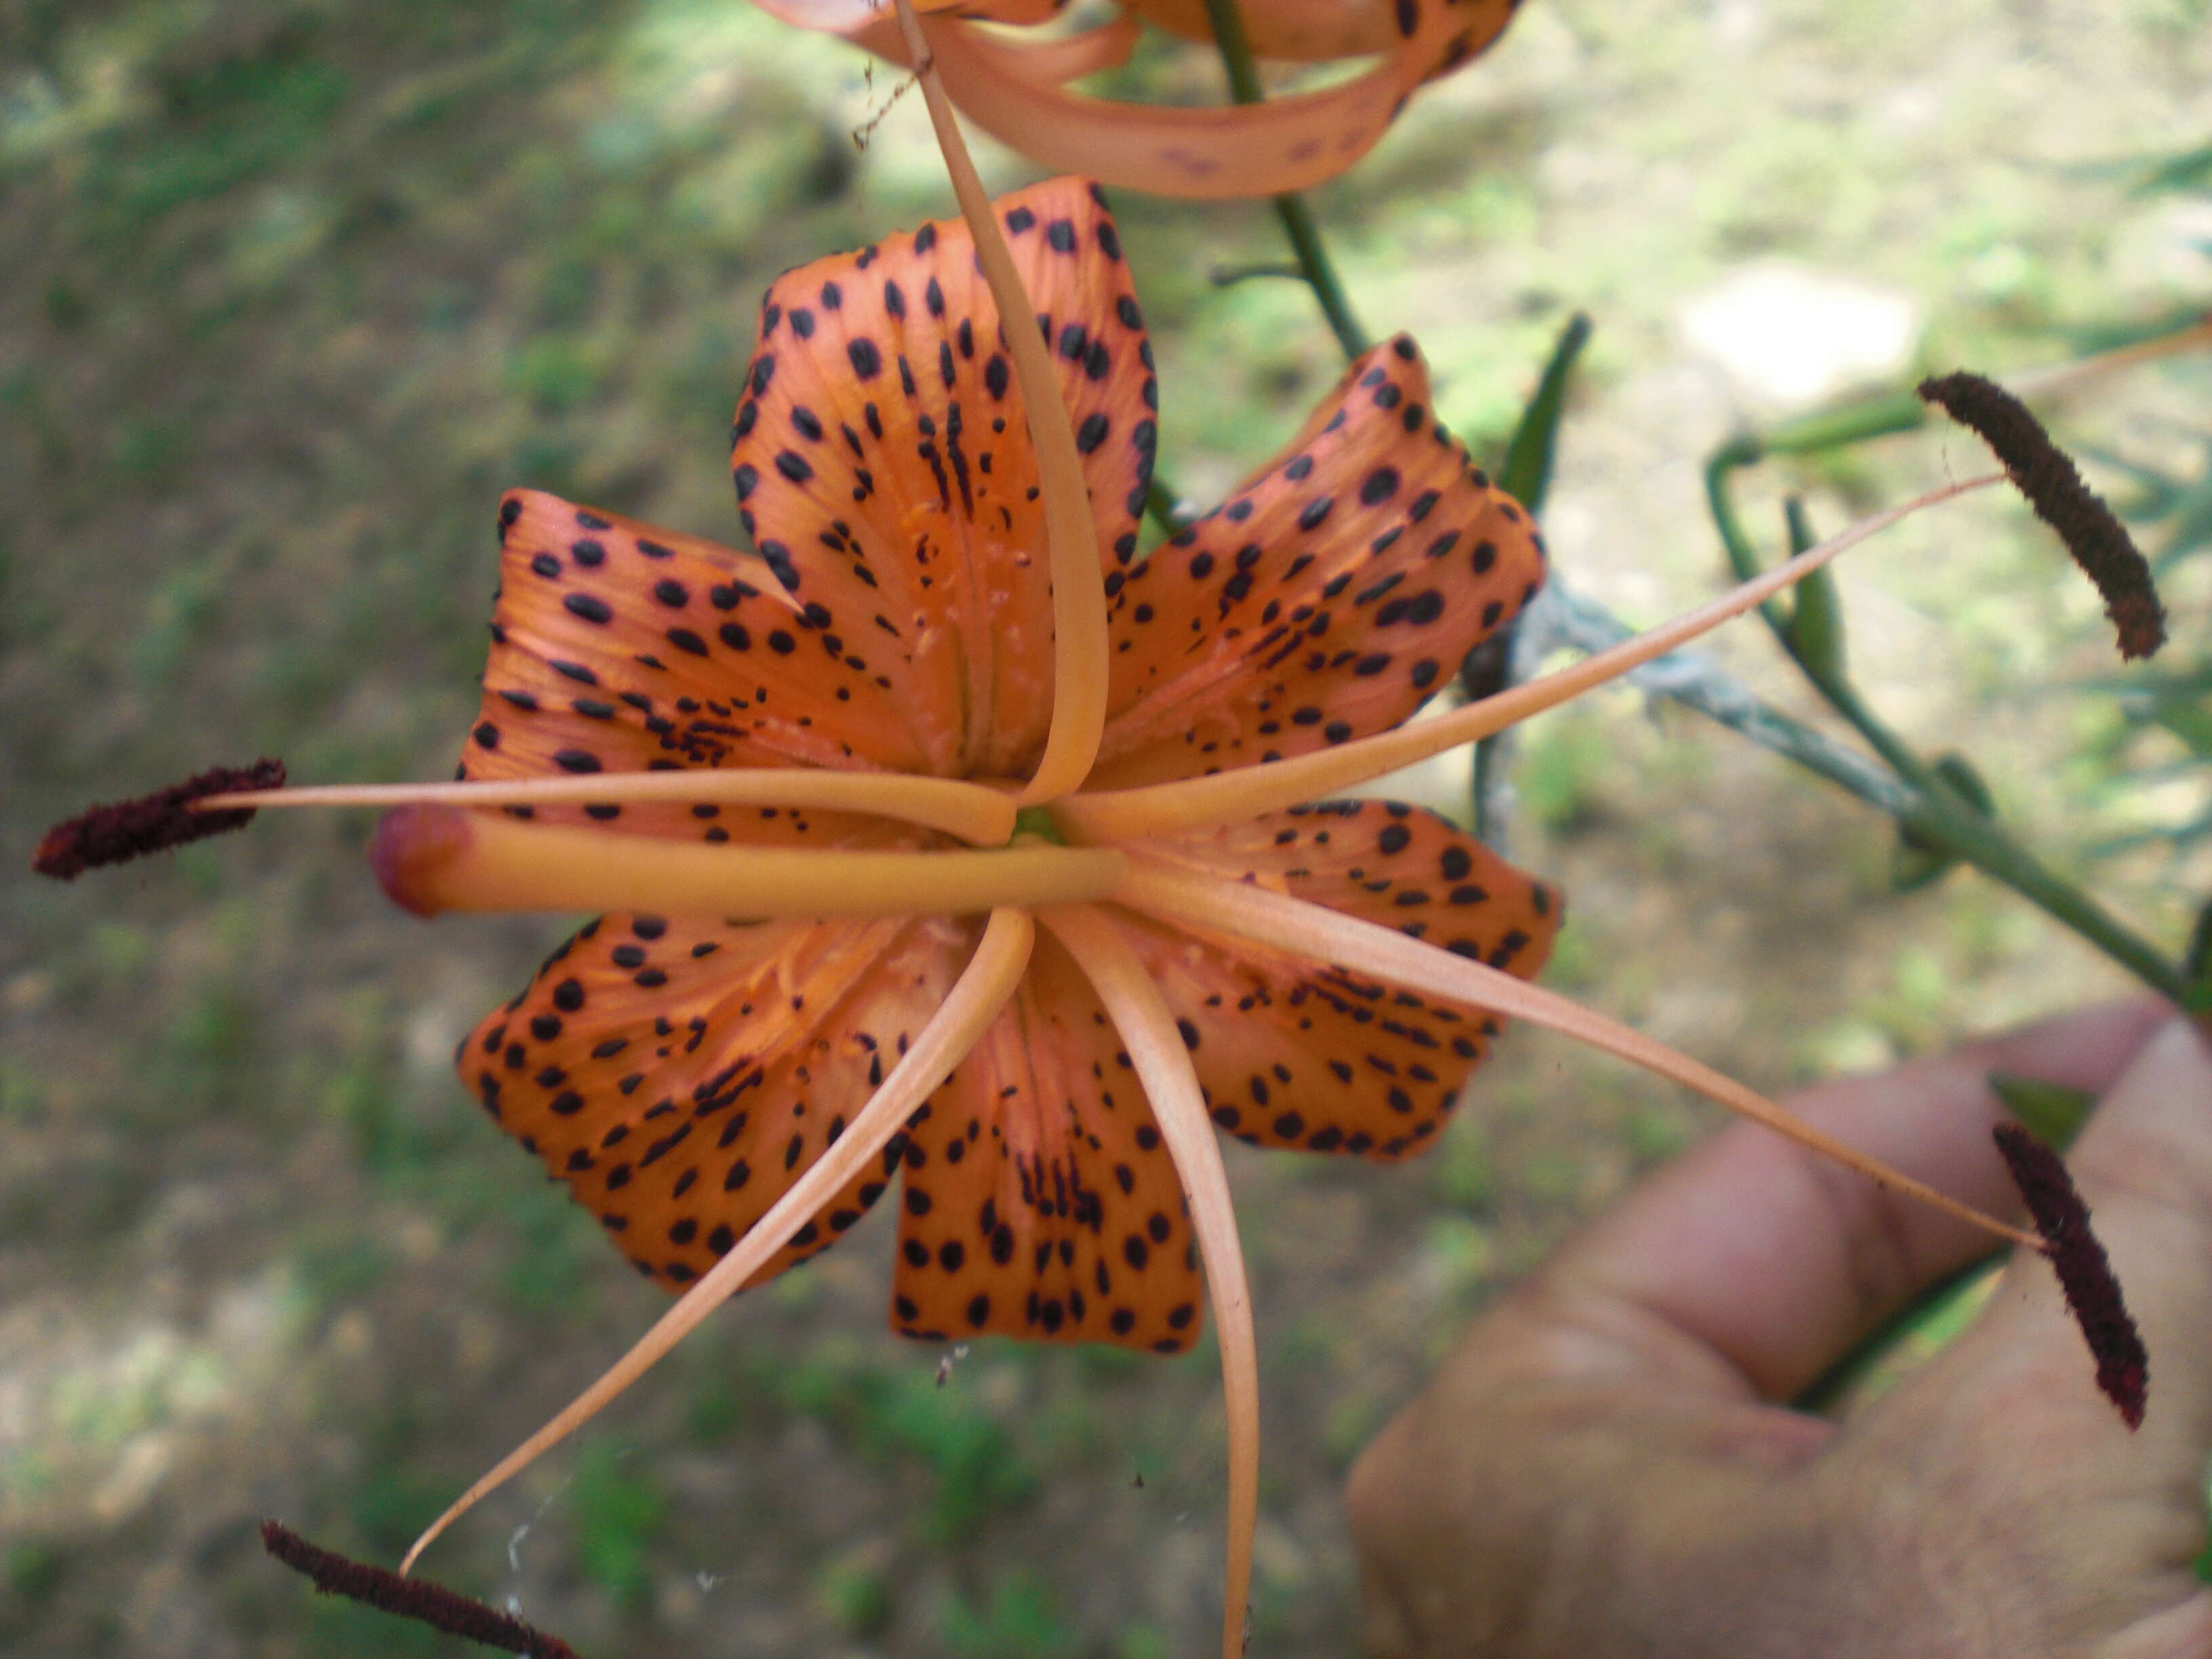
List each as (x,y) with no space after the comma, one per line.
(2042,471)
(409,1598)
(2085,1273)
(126,829)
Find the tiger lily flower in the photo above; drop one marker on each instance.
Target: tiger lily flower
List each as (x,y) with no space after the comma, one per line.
(1016,88)
(946,840)
(871,915)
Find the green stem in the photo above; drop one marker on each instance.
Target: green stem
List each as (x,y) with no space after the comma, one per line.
(1981,842)
(1320,273)
(1314,263)
(1230,276)
(1938,815)
(1165,506)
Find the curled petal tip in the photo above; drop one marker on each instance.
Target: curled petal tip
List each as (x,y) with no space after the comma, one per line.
(411,849)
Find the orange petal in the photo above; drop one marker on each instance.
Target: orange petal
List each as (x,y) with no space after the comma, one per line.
(1298,31)
(619,646)
(1335,591)
(1256,149)
(678,1072)
(1040,1200)
(884,468)
(1069,57)
(843,16)
(1293,1053)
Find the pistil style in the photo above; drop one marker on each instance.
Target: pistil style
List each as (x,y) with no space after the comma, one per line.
(431,860)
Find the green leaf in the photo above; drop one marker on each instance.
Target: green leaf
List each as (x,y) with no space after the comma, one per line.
(1815,632)
(2188,169)
(1959,772)
(1917,860)
(1914,865)
(2053,1112)
(1854,422)
(2197,962)
(1527,473)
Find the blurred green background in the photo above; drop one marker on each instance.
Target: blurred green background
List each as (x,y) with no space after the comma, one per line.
(292,288)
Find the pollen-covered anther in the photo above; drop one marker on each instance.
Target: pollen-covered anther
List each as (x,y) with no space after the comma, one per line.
(125,830)
(2047,477)
(434,858)
(424,1602)
(2085,1273)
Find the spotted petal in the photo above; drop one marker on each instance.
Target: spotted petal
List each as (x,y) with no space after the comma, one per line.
(884,468)
(1296,1054)
(1332,593)
(1257,149)
(678,1073)
(1040,1200)
(619,646)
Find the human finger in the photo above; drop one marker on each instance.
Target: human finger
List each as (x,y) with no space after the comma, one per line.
(2144,1166)
(1771,1261)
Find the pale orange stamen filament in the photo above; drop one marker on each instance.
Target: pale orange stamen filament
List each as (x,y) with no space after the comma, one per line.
(982,989)
(972,812)
(1079,599)
(1192,899)
(1147,1029)
(2056,379)
(1246,791)
(433,859)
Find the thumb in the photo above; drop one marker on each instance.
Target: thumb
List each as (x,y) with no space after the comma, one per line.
(2133,1503)
(2144,1166)
(2003,1441)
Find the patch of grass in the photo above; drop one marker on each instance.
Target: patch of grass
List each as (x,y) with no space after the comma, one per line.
(1353,1420)
(1462,1174)
(1016,1619)
(555,373)
(1561,766)
(857,1594)
(31,1568)
(338,1266)
(555,1247)
(202,1054)
(23,396)
(230,123)
(1463,1253)
(902,1413)
(152,453)
(342,1627)
(392,1497)
(23,1092)
(619,1514)
(1654,1134)
(176,618)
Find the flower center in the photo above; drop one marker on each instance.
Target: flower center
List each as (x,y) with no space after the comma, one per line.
(1038,821)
